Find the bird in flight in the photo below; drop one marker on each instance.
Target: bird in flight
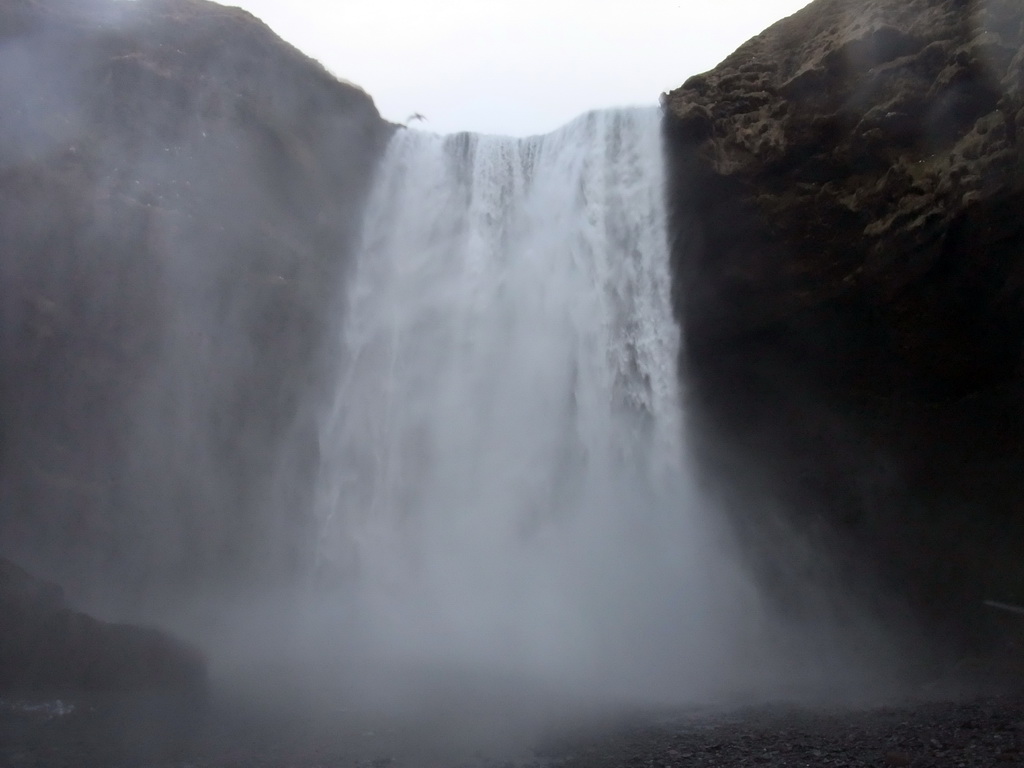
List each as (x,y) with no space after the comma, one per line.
(415,116)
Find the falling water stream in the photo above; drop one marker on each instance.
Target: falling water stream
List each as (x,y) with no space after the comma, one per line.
(504,480)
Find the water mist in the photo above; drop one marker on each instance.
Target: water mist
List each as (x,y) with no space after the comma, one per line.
(504,486)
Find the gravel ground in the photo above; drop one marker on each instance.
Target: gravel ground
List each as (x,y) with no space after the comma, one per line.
(983,732)
(157,731)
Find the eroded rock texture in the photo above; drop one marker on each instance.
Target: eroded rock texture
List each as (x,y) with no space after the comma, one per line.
(848,193)
(179,192)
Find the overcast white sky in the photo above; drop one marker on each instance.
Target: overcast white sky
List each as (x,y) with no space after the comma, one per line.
(515,67)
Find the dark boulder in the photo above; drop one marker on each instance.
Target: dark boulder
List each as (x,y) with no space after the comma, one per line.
(46,644)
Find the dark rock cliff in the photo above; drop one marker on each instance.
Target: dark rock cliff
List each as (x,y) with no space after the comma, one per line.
(848,252)
(179,193)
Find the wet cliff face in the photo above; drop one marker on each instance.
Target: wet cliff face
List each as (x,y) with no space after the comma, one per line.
(849,265)
(179,193)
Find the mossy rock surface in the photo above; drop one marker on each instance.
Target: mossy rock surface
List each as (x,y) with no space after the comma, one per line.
(848,254)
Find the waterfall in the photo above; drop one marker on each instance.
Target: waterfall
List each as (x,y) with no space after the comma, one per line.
(504,478)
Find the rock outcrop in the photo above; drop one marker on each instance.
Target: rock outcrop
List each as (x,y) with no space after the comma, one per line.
(45,644)
(179,195)
(848,252)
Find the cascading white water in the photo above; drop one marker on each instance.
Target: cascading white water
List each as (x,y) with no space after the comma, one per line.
(504,479)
